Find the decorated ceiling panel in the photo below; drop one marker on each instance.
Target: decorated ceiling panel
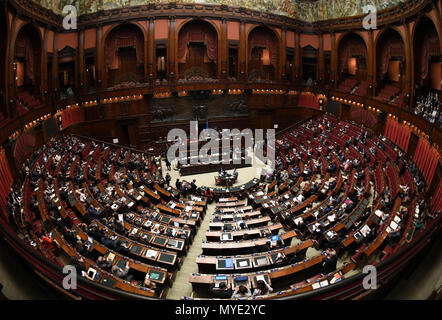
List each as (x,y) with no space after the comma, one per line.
(306,10)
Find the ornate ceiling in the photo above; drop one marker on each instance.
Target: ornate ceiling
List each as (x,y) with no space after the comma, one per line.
(305,10)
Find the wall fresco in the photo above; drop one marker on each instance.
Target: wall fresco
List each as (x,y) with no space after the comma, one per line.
(309,11)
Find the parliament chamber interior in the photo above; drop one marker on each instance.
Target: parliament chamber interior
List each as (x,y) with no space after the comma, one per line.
(350,175)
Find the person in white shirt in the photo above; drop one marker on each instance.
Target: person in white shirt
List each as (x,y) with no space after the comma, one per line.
(300,198)
(262,288)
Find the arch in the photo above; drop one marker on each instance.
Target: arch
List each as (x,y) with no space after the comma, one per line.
(129,36)
(4,31)
(392,41)
(344,40)
(28,44)
(435,17)
(212,52)
(274,56)
(426,43)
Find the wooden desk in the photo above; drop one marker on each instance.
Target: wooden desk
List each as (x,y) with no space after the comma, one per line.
(235,247)
(250,223)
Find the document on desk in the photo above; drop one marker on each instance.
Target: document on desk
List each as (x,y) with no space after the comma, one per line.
(110,257)
(330,234)
(316,285)
(243,263)
(172,205)
(151,253)
(226,236)
(378,213)
(260,277)
(324,283)
(365,230)
(397,219)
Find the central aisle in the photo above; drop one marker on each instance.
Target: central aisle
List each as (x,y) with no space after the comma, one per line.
(181,286)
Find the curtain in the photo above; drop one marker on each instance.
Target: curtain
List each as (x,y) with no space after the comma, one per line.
(426,158)
(5,181)
(398,133)
(430,48)
(197,32)
(71,116)
(24,145)
(308,100)
(24,49)
(264,39)
(394,47)
(436,202)
(351,49)
(122,38)
(364,116)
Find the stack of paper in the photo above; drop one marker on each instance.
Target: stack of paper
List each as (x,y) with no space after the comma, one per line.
(316,285)
(151,253)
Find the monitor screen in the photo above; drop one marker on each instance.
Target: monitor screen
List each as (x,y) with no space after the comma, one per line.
(165,257)
(261,261)
(243,263)
(154,275)
(108,282)
(159,240)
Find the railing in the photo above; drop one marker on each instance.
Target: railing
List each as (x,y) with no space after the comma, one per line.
(114,145)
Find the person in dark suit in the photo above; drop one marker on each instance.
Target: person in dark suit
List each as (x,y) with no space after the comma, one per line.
(193,187)
(167,163)
(178,184)
(330,261)
(168,179)
(104,264)
(122,248)
(222,292)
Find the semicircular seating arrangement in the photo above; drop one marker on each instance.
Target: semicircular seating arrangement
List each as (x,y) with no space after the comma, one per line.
(339,198)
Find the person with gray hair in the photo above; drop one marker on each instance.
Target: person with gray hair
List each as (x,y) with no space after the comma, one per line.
(120,272)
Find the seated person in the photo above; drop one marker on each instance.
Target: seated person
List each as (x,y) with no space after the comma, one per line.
(103,263)
(123,248)
(222,292)
(280,260)
(262,288)
(119,272)
(235,174)
(242,292)
(150,284)
(329,263)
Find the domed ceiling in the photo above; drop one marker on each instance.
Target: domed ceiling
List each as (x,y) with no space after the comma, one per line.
(305,10)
